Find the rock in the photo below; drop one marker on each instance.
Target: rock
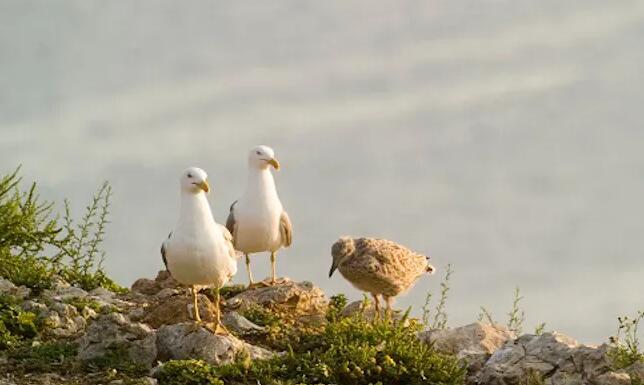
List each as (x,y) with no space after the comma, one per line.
(62,320)
(8,288)
(302,300)
(63,293)
(636,371)
(613,378)
(183,341)
(177,309)
(102,293)
(473,344)
(114,332)
(553,356)
(151,287)
(167,292)
(240,324)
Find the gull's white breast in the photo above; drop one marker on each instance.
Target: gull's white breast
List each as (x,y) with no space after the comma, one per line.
(200,257)
(258,225)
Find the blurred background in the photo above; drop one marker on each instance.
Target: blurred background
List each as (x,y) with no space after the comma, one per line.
(504,137)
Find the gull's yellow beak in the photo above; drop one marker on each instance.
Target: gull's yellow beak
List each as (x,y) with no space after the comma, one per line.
(204,186)
(273,162)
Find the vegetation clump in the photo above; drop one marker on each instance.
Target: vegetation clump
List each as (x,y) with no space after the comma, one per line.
(625,345)
(346,351)
(35,248)
(16,325)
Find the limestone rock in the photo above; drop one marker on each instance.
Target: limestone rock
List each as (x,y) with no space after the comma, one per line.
(115,332)
(184,341)
(62,292)
(62,320)
(613,378)
(636,371)
(300,299)
(176,309)
(8,288)
(240,324)
(553,356)
(150,287)
(473,344)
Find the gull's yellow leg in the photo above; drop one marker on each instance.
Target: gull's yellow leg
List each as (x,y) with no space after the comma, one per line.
(250,274)
(195,304)
(219,328)
(274,274)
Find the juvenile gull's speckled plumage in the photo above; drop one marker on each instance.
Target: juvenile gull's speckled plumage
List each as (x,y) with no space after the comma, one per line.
(378,266)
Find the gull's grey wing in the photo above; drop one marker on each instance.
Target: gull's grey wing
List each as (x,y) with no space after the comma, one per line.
(230,222)
(286,229)
(228,237)
(163,250)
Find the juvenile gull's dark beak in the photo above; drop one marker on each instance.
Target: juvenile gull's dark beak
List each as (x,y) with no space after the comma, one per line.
(333,267)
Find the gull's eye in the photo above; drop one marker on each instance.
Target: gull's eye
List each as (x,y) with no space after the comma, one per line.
(189,175)
(258,153)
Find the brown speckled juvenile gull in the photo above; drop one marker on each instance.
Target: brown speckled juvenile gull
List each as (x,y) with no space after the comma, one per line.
(378,266)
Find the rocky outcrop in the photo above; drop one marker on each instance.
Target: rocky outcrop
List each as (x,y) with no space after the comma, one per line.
(240,325)
(185,341)
(301,300)
(162,281)
(114,334)
(8,288)
(473,344)
(176,309)
(552,357)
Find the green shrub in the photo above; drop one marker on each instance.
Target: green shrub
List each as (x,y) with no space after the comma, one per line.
(16,325)
(188,372)
(336,304)
(35,248)
(347,351)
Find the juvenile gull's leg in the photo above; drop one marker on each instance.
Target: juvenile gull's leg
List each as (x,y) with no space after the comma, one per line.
(376,307)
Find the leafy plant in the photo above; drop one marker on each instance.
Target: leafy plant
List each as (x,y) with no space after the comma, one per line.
(625,349)
(516,316)
(336,304)
(35,249)
(440,315)
(16,325)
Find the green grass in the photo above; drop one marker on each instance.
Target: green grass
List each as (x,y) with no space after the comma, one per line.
(49,356)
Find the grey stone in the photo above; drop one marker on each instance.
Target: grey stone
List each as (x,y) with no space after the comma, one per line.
(116,331)
(186,341)
(240,324)
(473,344)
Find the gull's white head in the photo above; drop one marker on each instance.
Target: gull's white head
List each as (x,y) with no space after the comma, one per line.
(194,180)
(261,157)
